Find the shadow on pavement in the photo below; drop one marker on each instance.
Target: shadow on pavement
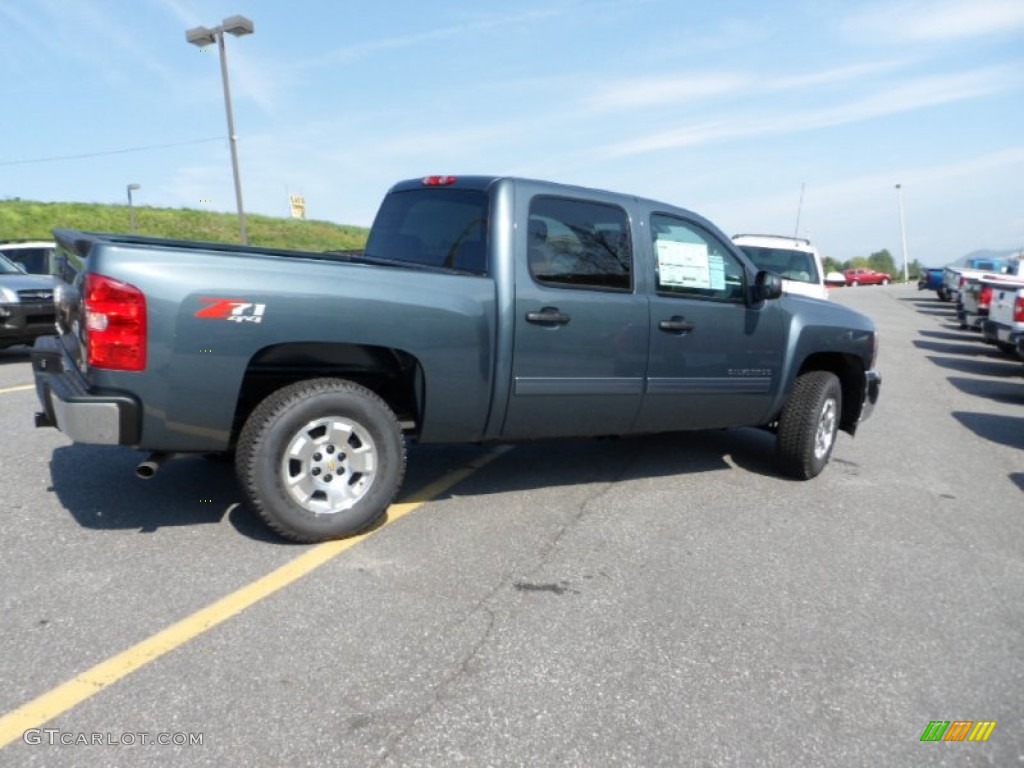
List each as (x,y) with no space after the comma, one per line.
(97,484)
(957,335)
(967,346)
(1005,430)
(1000,369)
(1002,391)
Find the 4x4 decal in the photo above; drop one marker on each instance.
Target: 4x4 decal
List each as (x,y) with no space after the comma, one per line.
(235,310)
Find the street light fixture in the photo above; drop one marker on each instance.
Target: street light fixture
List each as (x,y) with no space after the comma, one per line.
(131,208)
(203,36)
(903,232)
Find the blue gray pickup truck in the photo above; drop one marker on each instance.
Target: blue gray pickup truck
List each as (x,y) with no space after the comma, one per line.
(482,309)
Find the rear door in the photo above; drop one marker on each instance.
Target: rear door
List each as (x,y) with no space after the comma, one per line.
(581,327)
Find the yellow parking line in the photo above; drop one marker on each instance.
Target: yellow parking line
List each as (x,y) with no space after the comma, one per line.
(19,388)
(59,700)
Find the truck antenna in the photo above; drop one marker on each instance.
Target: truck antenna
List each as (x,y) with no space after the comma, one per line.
(799,207)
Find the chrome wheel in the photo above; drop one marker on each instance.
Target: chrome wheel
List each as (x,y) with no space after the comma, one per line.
(329,465)
(826,432)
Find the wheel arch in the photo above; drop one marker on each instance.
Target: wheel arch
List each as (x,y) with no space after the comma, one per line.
(849,369)
(393,375)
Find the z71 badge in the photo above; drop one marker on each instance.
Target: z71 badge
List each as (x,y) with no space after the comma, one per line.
(235,310)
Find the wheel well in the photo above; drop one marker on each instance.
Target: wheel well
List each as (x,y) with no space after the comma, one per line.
(395,376)
(850,371)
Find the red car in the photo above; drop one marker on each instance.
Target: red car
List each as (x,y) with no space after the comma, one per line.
(866,277)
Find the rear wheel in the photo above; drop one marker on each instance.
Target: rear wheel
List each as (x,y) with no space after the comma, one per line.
(809,424)
(321,459)
(854,283)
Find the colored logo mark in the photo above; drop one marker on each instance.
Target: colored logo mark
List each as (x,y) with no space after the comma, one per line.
(958,730)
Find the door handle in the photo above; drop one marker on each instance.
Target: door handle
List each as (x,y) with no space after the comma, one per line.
(676,324)
(547,316)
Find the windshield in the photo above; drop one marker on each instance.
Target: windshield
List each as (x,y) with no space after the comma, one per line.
(784,262)
(8,268)
(435,227)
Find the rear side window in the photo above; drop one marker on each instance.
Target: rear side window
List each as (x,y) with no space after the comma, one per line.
(434,227)
(579,244)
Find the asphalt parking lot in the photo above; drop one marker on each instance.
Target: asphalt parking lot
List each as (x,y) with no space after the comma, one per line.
(668,600)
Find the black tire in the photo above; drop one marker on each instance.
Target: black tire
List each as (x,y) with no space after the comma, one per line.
(809,424)
(855,283)
(1006,347)
(348,459)
(885,281)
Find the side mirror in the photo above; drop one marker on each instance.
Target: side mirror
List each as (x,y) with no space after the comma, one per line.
(767,285)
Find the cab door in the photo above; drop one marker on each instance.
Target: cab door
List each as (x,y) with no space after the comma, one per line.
(581,328)
(715,360)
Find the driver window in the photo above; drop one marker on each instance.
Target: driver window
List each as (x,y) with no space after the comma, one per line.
(689,261)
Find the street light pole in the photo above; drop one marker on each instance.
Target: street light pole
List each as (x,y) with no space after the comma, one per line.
(903,232)
(202,36)
(131,208)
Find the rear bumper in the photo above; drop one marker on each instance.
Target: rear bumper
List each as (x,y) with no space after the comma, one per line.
(999,333)
(68,404)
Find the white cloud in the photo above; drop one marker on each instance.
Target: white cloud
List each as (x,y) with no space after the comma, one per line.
(351,52)
(657,91)
(936,21)
(904,97)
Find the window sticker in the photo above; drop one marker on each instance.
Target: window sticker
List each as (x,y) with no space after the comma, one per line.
(716,267)
(686,265)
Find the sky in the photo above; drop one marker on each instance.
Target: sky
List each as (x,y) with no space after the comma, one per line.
(788,117)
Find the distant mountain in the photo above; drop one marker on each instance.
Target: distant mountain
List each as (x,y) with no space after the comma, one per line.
(988,253)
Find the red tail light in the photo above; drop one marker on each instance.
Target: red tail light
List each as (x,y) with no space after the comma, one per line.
(1018,310)
(438,181)
(115,323)
(984,297)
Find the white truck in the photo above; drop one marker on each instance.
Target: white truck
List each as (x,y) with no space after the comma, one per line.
(975,293)
(1005,324)
(793,259)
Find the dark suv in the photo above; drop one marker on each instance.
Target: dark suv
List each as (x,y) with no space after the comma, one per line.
(26,305)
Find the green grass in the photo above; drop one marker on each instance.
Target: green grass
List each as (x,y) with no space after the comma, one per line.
(27,219)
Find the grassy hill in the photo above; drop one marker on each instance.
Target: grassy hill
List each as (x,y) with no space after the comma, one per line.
(27,219)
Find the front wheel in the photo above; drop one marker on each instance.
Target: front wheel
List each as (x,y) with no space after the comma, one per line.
(809,424)
(885,281)
(320,459)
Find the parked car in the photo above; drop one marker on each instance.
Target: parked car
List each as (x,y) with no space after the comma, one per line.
(956,275)
(835,279)
(793,259)
(26,305)
(483,309)
(36,256)
(864,276)
(1004,326)
(975,293)
(931,280)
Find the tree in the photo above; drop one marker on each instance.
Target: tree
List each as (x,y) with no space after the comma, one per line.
(831,265)
(882,261)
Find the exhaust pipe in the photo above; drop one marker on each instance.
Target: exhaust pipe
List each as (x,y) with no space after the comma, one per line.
(146,469)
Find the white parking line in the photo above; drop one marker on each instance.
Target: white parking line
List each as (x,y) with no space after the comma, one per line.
(19,388)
